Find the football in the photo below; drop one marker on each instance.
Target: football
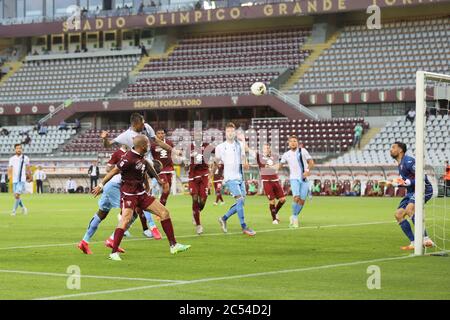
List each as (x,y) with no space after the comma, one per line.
(258,88)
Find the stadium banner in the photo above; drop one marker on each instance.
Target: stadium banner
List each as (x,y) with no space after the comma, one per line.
(166,19)
(307,99)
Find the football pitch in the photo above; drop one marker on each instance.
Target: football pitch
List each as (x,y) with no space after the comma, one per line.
(326,258)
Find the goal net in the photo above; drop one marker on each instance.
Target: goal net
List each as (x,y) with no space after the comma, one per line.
(432,152)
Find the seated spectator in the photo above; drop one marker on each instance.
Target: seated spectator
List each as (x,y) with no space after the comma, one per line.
(346,187)
(340,188)
(334,188)
(141,8)
(43,130)
(71,186)
(77,50)
(252,188)
(35,53)
(390,191)
(63,125)
(152,4)
(4,132)
(411,115)
(356,190)
(368,190)
(316,189)
(326,188)
(27,140)
(376,190)
(77,125)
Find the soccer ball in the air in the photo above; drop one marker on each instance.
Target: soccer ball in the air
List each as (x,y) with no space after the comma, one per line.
(258,88)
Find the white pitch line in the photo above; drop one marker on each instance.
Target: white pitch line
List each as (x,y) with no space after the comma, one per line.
(52,274)
(250,275)
(207,235)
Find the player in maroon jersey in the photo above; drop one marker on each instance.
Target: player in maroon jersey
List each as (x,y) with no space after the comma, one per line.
(218,182)
(198,179)
(133,168)
(110,199)
(165,157)
(271,182)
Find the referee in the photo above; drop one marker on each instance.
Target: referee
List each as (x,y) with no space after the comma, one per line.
(39,176)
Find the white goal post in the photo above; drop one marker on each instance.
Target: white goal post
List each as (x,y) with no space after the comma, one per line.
(421,78)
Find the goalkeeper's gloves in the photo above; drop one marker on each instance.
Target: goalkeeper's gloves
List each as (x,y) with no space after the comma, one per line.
(400,182)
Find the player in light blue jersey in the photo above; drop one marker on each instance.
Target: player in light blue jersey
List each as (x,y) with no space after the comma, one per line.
(231,154)
(18,171)
(300,164)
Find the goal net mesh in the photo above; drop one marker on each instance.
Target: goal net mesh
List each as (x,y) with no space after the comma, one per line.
(436,156)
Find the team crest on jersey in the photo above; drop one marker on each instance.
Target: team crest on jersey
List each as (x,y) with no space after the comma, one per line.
(139,165)
(128,203)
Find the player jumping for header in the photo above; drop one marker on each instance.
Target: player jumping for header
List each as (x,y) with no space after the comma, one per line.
(111,193)
(133,168)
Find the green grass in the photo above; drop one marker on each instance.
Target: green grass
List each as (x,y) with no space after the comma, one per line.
(328,257)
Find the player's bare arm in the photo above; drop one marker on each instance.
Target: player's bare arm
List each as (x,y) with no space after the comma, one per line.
(98,189)
(151,172)
(10,173)
(147,182)
(162,144)
(109,167)
(307,173)
(106,142)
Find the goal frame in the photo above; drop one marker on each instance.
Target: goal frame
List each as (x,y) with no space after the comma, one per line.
(421,78)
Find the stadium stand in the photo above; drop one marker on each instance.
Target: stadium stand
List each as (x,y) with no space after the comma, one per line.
(88,143)
(212,84)
(377,151)
(322,136)
(380,59)
(39,144)
(222,64)
(58,79)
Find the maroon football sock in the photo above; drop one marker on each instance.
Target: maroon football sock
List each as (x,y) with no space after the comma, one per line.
(143,222)
(168,230)
(273,211)
(279,205)
(118,235)
(201,204)
(196,212)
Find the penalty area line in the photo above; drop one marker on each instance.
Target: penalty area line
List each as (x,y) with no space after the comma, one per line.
(241,276)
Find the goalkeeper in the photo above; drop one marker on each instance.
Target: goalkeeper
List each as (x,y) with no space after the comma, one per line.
(406,169)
